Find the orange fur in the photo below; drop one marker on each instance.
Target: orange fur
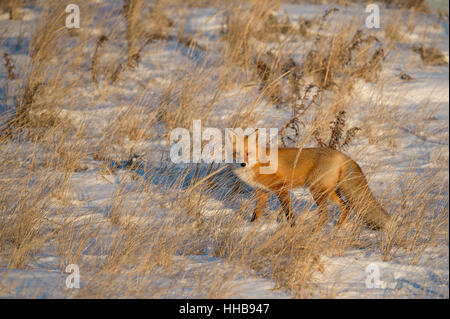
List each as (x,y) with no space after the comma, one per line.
(328,173)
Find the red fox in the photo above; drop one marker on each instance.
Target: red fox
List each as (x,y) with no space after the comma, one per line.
(329,174)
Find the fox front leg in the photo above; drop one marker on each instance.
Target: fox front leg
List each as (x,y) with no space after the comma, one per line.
(285,200)
(261,200)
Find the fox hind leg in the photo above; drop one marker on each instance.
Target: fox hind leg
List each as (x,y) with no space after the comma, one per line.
(285,200)
(343,206)
(321,198)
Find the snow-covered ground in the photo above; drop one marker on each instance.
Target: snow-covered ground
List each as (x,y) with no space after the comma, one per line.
(421,143)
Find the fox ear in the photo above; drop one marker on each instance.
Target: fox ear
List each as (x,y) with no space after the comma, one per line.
(254,135)
(252,141)
(229,140)
(229,137)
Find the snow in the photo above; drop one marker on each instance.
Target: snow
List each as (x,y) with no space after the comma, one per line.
(343,276)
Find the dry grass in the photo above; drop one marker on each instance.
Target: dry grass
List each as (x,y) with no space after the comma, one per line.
(138,242)
(431,56)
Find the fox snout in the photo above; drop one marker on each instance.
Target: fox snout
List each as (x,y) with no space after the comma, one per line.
(244,163)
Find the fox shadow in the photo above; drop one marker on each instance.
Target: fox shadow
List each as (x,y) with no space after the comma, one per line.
(223,186)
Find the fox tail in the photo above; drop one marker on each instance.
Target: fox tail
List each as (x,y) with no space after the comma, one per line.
(359,197)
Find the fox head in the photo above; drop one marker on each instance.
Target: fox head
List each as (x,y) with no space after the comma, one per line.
(247,150)
(243,148)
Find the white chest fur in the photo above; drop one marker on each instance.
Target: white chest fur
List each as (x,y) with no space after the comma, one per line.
(247,175)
